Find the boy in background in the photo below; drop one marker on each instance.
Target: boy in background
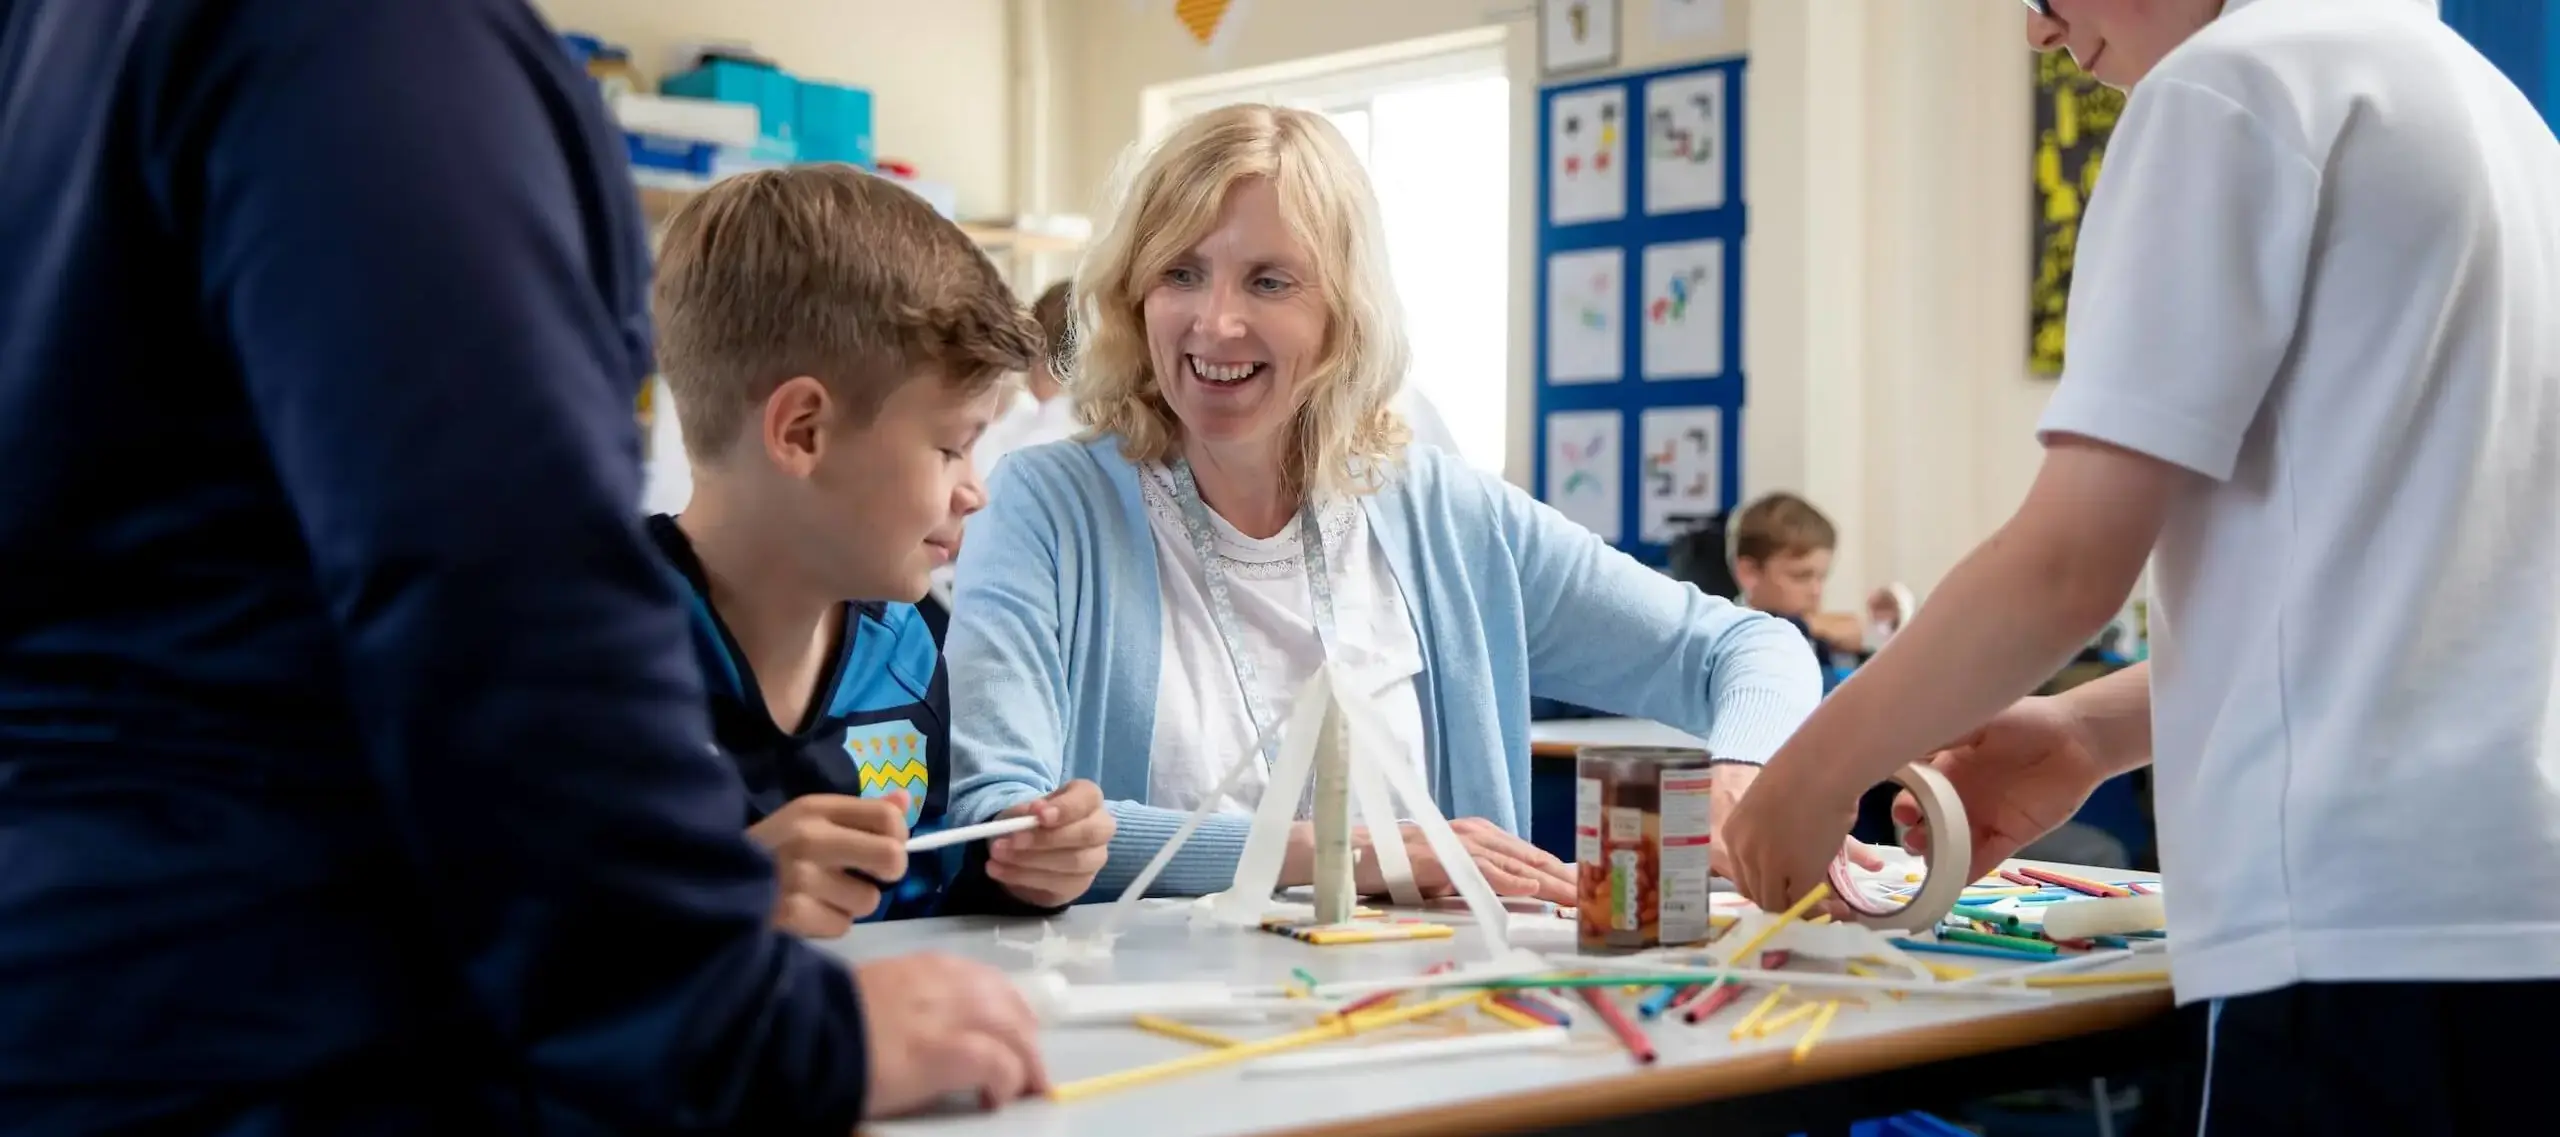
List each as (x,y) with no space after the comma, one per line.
(835,349)
(1782,548)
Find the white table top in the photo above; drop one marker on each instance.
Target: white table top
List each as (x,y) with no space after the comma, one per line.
(1609,732)
(1591,1077)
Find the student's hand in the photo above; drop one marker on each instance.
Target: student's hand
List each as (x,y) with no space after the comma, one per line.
(2021,776)
(1781,834)
(1731,779)
(1883,607)
(1055,863)
(937,1025)
(818,844)
(1512,866)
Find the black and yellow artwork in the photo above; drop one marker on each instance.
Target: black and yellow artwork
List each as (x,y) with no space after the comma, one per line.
(2074,116)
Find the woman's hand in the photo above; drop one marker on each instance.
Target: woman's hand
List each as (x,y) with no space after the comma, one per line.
(1055,863)
(1512,866)
(1731,780)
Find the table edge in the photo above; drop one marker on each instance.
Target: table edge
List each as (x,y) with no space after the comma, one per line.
(1649,1089)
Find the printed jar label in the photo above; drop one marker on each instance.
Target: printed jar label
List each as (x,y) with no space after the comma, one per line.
(1687,839)
(1626,826)
(1586,821)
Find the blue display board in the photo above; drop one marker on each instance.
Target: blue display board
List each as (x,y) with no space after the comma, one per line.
(1639,300)
(2522,37)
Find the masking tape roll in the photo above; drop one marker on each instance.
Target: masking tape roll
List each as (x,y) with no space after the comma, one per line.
(1949,863)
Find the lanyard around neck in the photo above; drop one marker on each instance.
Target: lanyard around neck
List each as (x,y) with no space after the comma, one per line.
(1222,611)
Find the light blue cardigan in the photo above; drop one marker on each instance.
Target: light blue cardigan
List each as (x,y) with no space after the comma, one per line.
(1055,639)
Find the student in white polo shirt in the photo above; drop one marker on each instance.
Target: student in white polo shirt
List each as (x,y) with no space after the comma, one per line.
(2314,373)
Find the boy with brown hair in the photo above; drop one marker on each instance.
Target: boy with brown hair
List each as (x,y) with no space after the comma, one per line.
(835,348)
(1782,548)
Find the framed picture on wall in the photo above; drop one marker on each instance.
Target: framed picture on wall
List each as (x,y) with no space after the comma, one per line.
(1577,35)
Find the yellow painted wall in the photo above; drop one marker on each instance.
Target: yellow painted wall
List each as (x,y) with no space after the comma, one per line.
(937,69)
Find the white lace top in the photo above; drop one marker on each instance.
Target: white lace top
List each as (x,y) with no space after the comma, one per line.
(1202,726)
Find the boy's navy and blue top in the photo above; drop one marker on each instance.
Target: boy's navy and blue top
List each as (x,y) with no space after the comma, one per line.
(880,724)
(354,770)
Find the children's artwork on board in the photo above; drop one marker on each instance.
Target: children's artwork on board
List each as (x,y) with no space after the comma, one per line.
(1684,143)
(1684,310)
(1681,477)
(1587,156)
(1577,35)
(1585,293)
(1582,469)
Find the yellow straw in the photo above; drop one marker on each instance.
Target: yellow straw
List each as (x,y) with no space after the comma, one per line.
(1505,1014)
(1782,1022)
(1813,1034)
(2099,980)
(1184,1031)
(1810,899)
(1865,972)
(1244,1051)
(1759,1012)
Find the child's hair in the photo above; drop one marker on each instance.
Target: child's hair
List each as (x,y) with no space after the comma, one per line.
(826,271)
(1781,524)
(1057,335)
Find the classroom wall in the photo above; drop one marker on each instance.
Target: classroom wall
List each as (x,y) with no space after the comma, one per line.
(1886,288)
(938,71)
(1122,47)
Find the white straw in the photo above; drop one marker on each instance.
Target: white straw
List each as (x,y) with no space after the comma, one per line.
(997,828)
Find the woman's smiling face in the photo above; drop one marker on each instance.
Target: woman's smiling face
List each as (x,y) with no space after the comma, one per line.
(1235,324)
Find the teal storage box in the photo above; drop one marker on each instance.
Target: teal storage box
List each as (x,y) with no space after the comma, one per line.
(835,124)
(774,94)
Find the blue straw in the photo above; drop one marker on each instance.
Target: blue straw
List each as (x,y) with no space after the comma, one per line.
(1657,1002)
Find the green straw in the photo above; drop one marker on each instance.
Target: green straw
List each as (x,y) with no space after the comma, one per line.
(1994,939)
(2002,920)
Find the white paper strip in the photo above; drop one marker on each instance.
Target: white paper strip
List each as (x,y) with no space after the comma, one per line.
(1137,890)
(1377,810)
(1492,921)
(1258,870)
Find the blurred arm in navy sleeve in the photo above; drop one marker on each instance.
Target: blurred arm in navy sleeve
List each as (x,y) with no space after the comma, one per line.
(418,234)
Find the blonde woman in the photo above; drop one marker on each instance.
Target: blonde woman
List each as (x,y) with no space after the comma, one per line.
(1244,505)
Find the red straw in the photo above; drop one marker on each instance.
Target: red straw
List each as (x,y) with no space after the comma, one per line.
(1634,1040)
(2014,877)
(1721,993)
(2075,884)
(1716,999)
(1365,1002)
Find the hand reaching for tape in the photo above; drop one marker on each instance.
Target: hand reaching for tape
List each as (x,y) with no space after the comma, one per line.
(2021,776)
(1775,838)
(831,853)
